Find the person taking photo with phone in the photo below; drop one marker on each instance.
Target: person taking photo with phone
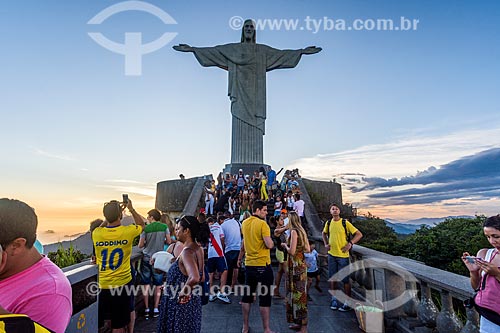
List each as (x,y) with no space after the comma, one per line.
(113,248)
(485,277)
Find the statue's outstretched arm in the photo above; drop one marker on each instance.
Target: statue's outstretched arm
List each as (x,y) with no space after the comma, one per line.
(183,48)
(311,50)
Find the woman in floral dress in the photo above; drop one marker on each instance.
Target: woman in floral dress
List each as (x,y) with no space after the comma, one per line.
(296,300)
(180,310)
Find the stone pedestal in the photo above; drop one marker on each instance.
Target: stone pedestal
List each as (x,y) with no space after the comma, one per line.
(248,168)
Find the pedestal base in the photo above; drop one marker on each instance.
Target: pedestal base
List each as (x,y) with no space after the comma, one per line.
(248,168)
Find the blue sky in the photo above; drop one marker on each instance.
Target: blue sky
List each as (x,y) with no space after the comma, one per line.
(388,113)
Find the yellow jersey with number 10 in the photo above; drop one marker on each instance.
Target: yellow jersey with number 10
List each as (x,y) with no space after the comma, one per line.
(113,248)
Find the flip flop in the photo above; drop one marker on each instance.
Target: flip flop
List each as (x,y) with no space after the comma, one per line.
(295,327)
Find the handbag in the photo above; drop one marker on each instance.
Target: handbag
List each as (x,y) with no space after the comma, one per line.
(483,312)
(163,260)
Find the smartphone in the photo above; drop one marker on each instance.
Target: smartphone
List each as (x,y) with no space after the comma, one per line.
(472,260)
(125,198)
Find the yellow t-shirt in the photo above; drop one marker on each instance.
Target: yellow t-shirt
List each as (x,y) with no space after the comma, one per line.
(337,238)
(113,248)
(254,230)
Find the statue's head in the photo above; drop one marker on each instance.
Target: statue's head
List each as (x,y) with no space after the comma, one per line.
(248,32)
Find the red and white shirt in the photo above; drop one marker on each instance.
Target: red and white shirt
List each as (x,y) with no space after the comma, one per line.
(215,249)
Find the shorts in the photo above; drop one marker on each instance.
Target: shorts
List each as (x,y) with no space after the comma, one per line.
(216,264)
(261,276)
(313,274)
(116,305)
(148,273)
(232,259)
(280,256)
(335,264)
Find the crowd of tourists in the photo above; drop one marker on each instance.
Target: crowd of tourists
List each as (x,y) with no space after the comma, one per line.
(182,261)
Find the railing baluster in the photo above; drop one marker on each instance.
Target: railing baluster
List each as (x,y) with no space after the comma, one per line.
(427,310)
(447,320)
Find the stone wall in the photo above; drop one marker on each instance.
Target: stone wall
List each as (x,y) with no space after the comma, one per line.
(172,195)
(323,193)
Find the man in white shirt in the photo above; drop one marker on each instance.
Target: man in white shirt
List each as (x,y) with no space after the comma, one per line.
(232,240)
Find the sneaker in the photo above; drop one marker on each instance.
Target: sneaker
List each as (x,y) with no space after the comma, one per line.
(345,308)
(212,298)
(224,298)
(156,313)
(146,313)
(334,305)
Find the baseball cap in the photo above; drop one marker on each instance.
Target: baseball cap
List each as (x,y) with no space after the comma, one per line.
(284,211)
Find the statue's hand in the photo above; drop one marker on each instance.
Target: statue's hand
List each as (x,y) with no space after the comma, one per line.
(311,50)
(183,48)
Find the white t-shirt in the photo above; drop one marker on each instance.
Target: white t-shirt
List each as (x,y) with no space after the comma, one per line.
(232,235)
(298,206)
(215,250)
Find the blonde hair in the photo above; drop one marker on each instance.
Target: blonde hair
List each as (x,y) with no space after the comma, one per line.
(294,224)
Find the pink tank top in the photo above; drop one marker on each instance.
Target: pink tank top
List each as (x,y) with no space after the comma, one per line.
(489,296)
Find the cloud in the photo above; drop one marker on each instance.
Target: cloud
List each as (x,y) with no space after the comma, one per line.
(399,158)
(55,156)
(476,177)
(131,187)
(417,175)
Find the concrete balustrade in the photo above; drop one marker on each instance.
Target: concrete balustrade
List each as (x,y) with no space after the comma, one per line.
(405,288)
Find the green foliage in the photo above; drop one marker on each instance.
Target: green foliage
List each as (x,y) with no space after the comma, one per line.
(376,234)
(442,246)
(66,257)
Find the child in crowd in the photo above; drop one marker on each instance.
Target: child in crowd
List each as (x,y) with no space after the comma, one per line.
(277,206)
(313,271)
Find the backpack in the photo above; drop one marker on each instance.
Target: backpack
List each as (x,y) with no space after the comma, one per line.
(348,236)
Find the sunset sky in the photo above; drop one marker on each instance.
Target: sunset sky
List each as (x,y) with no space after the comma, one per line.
(408,121)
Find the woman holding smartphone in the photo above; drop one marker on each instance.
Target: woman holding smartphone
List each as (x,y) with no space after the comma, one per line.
(485,277)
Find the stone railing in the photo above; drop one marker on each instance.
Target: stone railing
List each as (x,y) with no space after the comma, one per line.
(83,279)
(404,286)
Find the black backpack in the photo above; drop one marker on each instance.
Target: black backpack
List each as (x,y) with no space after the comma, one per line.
(348,236)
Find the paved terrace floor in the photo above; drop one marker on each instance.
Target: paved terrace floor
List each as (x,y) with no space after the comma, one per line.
(219,317)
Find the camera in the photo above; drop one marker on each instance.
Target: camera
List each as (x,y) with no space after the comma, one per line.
(125,198)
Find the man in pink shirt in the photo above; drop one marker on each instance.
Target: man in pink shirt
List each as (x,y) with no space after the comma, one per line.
(30,283)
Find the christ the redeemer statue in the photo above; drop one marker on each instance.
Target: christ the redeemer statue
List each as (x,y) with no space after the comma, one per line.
(247,64)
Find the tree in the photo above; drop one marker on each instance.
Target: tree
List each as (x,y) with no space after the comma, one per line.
(376,234)
(442,246)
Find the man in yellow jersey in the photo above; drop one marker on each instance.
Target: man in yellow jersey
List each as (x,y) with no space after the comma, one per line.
(256,245)
(113,248)
(338,243)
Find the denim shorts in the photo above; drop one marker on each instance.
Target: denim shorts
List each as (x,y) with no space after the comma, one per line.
(148,273)
(335,264)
